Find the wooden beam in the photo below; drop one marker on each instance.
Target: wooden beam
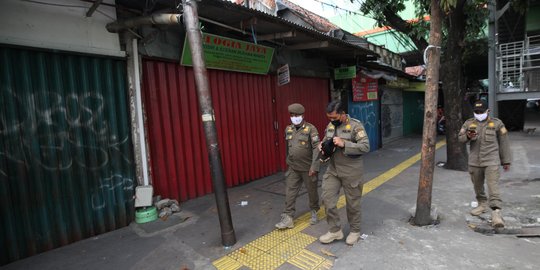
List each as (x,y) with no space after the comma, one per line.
(309,45)
(277,35)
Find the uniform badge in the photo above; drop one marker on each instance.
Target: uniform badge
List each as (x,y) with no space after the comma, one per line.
(303,143)
(491,124)
(361,133)
(306,129)
(290,137)
(348,126)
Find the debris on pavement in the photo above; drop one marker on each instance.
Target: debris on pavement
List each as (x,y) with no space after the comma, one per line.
(243,203)
(328,253)
(363,236)
(167,207)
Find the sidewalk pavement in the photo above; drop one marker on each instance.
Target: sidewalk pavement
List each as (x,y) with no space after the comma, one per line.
(191,239)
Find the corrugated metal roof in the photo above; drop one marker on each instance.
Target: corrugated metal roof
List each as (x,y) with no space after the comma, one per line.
(268,24)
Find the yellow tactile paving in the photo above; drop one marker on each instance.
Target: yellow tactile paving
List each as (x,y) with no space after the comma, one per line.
(267,242)
(279,246)
(341,202)
(302,239)
(246,254)
(325,265)
(306,260)
(227,263)
(266,262)
(286,250)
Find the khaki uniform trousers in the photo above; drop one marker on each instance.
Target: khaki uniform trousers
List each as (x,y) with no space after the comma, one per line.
(353,193)
(491,175)
(294,181)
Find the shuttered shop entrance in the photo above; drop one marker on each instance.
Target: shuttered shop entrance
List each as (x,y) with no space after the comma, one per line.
(251,114)
(313,94)
(244,120)
(66,164)
(391,114)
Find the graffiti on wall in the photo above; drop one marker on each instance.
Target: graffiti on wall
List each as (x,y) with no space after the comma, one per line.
(391,113)
(367,112)
(65,133)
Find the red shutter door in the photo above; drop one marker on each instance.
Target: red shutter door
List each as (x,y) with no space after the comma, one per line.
(313,94)
(244,121)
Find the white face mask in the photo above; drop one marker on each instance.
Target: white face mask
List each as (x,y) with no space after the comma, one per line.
(296,120)
(481,116)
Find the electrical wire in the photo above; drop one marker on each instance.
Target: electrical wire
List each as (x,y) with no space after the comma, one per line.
(342,9)
(65,5)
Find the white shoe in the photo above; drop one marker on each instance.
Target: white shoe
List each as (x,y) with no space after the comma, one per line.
(329,237)
(286,222)
(352,238)
(496,219)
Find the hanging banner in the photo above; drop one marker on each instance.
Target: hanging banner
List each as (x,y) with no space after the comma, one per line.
(231,54)
(364,88)
(283,75)
(344,73)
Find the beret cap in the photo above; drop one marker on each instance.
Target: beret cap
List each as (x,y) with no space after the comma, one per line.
(296,108)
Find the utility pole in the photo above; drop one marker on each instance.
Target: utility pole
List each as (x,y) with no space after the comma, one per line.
(492,44)
(191,20)
(423,201)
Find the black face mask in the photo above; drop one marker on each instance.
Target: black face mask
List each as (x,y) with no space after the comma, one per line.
(336,123)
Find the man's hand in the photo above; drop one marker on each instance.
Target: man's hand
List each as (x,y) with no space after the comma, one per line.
(312,173)
(506,167)
(319,147)
(339,142)
(471,134)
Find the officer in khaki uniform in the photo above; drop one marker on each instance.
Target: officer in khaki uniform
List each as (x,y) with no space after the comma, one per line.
(489,148)
(345,169)
(302,158)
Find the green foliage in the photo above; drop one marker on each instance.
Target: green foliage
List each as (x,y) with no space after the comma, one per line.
(476,14)
(376,8)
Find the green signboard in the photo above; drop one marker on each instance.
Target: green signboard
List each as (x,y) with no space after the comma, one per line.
(344,73)
(231,54)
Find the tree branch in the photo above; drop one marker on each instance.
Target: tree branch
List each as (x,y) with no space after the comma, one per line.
(403,26)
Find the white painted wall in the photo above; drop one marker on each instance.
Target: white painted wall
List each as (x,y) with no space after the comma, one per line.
(59,24)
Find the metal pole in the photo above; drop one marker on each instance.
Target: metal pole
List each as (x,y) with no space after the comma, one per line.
(194,37)
(492,58)
(136,113)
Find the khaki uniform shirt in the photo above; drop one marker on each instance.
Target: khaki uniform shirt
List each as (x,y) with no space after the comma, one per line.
(491,146)
(302,154)
(347,162)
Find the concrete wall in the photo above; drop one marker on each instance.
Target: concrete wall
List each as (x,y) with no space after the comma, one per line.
(59,24)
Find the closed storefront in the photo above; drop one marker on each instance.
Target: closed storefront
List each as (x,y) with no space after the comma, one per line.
(391,114)
(66,162)
(244,121)
(251,114)
(413,112)
(313,94)
(368,113)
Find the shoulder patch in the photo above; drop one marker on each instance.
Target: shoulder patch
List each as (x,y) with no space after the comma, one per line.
(503,131)
(361,134)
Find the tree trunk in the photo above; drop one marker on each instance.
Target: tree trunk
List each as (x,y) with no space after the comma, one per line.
(454,88)
(423,202)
